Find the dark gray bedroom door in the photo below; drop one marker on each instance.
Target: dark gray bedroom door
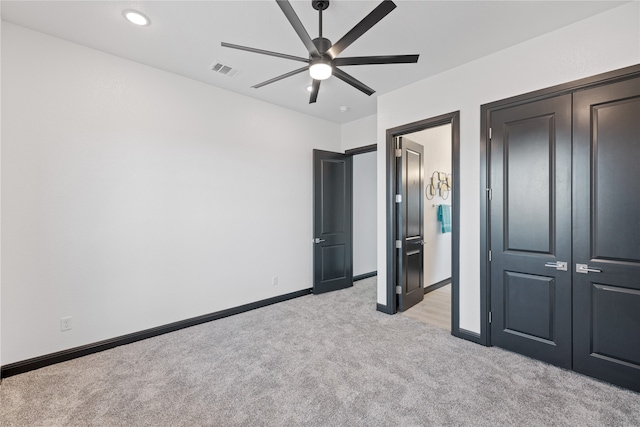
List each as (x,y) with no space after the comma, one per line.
(530,211)
(332,221)
(410,256)
(606,227)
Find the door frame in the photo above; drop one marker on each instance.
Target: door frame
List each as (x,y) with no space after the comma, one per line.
(361,150)
(485,160)
(453,119)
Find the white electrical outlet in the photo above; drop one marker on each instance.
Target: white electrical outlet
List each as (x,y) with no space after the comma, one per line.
(65,323)
(274,280)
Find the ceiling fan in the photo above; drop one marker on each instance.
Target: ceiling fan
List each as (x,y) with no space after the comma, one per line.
(323,58)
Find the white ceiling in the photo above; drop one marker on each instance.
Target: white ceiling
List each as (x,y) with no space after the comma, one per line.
(184,38)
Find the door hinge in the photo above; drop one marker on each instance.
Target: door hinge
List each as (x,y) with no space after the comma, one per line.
(399,290)
(398,198)
(490,132)
(398,244)
(398,152)
(489,256)
(489,317)
(489,193)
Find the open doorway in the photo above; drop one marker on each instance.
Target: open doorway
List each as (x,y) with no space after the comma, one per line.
(439,191)
(344,250)
(364,211)
(436,193)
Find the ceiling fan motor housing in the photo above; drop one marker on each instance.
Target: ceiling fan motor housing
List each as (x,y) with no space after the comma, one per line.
(322,44)
(320,4)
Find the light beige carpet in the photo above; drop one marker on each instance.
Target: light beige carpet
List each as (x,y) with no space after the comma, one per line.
(318,360)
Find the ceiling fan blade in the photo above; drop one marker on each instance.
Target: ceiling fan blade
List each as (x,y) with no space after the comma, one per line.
(265,52)
(284,76)
(369,60)
(352,81)
(295,22)
(314,91)
(362,27)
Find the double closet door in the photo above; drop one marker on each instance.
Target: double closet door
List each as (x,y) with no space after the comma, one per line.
(564,235)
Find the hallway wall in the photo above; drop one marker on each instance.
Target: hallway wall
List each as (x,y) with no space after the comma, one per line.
(364,214)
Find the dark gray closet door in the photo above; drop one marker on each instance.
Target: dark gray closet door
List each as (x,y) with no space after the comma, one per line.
(411,224)
(606,229)
(531,229)
(332,221)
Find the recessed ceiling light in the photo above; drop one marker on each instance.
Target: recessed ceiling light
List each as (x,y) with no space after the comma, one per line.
(309,88)
(344,109)
(136,17)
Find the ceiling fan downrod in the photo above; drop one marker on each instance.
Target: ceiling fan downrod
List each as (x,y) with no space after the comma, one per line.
(321,5)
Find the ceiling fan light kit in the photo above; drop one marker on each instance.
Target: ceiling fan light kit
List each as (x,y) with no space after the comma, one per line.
(320,70)
(323,58)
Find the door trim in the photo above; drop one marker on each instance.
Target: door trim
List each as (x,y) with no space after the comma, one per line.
(485,158)
(437,286)
(362,150)
(453,119)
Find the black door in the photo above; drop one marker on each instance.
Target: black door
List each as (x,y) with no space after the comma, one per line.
(530,212)
(606,228)
(332,221)
(410,224)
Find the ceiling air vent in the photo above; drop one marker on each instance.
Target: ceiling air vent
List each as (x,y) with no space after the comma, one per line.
(224,69)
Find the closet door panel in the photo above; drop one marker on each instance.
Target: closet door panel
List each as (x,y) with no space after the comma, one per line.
(530,211)
(606,229)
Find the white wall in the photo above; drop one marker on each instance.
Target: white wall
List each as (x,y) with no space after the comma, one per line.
(437,248)
(133,197)
(602,43)
(364,214)
(359,133)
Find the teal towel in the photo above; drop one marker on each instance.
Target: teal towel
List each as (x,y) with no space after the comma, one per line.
(444,216)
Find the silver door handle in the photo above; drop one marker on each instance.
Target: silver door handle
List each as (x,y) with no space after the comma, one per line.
(318,240)
(584,268)
(417,242)
(558,265)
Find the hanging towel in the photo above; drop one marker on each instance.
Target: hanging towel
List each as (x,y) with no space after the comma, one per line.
(444,216)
